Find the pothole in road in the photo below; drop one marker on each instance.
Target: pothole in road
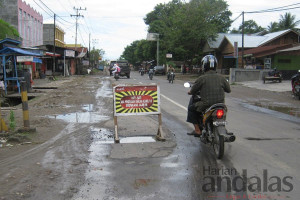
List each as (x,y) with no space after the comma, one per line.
(105,136)
(12,101)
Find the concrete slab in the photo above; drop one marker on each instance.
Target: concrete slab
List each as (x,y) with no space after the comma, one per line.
(284,86)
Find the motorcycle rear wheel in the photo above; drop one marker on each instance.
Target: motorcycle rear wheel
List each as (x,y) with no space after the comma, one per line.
(218,144)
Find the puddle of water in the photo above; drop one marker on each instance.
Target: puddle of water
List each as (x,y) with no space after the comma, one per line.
(88,107)
(104,90)
(287,110)
(81,117)
(140,139)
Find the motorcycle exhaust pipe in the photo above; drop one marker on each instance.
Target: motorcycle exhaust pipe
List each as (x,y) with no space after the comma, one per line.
(229,138)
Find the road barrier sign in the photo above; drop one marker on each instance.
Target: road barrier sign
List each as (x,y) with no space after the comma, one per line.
(137,100)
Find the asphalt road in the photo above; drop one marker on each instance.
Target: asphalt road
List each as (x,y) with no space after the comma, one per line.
(261,164)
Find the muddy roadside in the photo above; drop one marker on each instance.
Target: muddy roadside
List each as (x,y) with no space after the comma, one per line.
(50,163)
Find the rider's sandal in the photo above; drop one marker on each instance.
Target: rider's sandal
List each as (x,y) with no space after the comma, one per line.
(197,135)
(192,133)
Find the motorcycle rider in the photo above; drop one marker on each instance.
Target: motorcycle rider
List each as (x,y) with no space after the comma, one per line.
(211,87)
(273,72)
(116,69)
(151,71)
(171,69)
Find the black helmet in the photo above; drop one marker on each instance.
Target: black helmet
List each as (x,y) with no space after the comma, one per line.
(209,62)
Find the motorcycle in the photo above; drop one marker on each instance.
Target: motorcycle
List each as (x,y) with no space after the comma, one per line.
(214,132)
(171,76)
(151,74)
(142,72)
(296,85)
(116,76)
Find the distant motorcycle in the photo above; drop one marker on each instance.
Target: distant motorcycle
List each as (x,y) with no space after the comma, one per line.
(151,74)
(171,76)
(116,76)
(142,72)
(296,85)
(214,132)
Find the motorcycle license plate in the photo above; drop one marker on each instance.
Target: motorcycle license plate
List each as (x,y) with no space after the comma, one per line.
(220,123)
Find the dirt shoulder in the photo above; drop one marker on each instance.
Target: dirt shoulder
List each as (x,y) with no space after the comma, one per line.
(54,158)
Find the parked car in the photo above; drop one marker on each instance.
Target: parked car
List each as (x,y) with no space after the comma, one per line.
(159,70)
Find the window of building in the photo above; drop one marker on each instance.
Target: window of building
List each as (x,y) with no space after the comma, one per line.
(32,31)
(284,61)
(20,22)
(25,29)
(28,30)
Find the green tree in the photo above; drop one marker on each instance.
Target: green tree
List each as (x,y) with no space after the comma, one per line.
(250,26)
(288,21)
(7,30)
(273,27)
(184,27)
(95,56)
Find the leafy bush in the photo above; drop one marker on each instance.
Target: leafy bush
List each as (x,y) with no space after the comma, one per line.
(7,29)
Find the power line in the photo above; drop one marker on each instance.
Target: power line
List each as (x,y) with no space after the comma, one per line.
(54,12)
(282,8)
(46,6)
(82,38)
(237,18)
(43,9)
(59,1)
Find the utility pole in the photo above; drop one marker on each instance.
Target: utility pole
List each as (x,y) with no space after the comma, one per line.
(90,51)
(77,15)
(54,34)
(94,41)
(243,33)
(157,50)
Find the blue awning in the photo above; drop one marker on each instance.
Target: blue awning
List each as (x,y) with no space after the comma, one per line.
(17,51)
(37,60)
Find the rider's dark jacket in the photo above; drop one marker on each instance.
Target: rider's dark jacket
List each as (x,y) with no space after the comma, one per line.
(212,87)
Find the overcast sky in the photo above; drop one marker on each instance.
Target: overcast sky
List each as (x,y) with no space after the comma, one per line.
(114,24)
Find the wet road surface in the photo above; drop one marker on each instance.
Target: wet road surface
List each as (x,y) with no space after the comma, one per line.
(182,168)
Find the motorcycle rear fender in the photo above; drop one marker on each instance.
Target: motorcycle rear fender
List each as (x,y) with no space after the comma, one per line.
(212,114)
(222,130)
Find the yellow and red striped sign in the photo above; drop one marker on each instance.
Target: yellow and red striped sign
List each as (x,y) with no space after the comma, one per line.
(136,100)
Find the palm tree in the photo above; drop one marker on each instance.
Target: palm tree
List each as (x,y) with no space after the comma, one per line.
(287,21)
(273,27)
